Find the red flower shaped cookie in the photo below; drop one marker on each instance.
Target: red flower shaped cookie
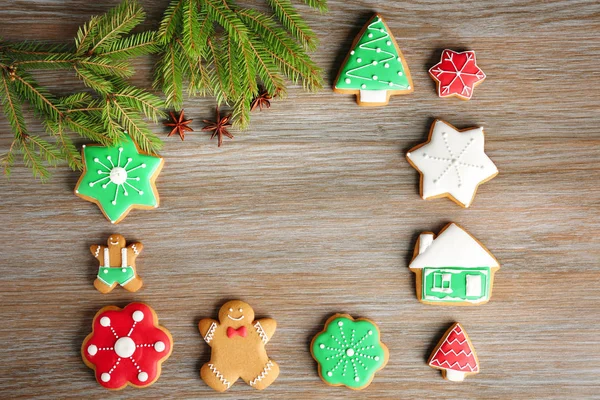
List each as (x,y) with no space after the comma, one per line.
(457,74)
(126,346)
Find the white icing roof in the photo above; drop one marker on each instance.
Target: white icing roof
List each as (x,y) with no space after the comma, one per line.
(454,248)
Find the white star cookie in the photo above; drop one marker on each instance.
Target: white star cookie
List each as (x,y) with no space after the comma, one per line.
(452,163)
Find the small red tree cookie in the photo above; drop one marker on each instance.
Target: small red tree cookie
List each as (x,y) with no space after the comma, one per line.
(455,355)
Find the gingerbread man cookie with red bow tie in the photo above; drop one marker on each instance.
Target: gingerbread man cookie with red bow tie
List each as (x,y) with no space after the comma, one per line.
(238,348)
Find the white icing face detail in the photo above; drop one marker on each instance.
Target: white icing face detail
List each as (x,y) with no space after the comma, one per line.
(142,377)
(241,310)
(105,377)
(92,350)
(125,347)
(114,243)
(105,321)
(350,352)
(231,310)
(453,163)
(235,319)
(118,175)
(159,347)
(137,316)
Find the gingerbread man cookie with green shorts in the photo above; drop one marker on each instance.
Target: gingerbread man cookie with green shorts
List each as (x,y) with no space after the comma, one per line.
(117,264)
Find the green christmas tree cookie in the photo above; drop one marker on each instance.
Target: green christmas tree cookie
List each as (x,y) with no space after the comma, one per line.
(349,352)
(375,68)
(119,178)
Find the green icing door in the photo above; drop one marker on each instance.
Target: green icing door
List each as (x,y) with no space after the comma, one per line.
(455,284)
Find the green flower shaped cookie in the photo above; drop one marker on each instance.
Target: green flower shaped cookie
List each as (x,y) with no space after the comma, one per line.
(119,178)
(349,352)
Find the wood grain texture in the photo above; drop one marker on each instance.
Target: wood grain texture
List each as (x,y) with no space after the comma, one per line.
(314,210)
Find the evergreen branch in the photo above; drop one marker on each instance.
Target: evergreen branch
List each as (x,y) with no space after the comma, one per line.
(194,69)
(191,28)
(117,21)
(49,153)
(66,148)
(169,72)
(93,81)
(135,45)
(148,104)
(8,159)
(219,76)
(38,97)
(206,30)
(291,20)
(320,5)
(170,22)
(105,66)
(12,109)
(241,110)
(84,37)
(224,16)
(45,64)
(32,160)
(88,125)
(22,51)
(137,129)
(267,71)
(75,100)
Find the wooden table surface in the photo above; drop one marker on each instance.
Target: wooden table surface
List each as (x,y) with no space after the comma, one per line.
(314,210)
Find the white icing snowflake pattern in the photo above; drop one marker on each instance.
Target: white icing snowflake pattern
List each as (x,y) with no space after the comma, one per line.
(117,175)
(452,163)
(124,347)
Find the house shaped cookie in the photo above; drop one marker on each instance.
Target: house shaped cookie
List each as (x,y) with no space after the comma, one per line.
(453,268)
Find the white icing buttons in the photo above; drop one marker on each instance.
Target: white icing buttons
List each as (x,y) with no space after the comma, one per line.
(105,321)
(159,346)
(105,377)
(92,350)
(125,347)
(142,377)
(138,316)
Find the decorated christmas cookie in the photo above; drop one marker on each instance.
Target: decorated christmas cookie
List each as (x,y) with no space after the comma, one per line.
(349,352)
(455,355)
(127,346)
(119,178)
(238,348)
(117,264)
(375,68)
(452,163)
(453,268)
(457,74)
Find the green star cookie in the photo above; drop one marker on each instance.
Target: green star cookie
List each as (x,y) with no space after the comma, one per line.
(349,352)
(119,178)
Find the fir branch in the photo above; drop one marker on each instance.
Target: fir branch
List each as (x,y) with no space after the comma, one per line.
(191,28)
(320,5)
(67,150)
(93,81)
(41,100)
(168,75)
(32,160)
(291,20)
(139,131)
(142,101)
(12,109)
(104,66)
(171,22)
(135,45)
(84,37)
(116,22)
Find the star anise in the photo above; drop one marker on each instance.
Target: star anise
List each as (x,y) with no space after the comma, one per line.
(262,100)
(219,127)
(180,125)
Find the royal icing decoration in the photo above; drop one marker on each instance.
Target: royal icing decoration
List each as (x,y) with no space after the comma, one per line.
(349,352)
(455,355)
(119,178)
(375,67)
(126,346)
(117,264)
(453,268)
(238,348)
(457,74)
(452,163)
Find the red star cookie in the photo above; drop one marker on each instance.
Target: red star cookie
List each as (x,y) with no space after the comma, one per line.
(457,74)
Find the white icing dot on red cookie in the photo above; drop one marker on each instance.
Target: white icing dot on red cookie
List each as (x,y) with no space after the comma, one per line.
(105,377)
(142,377)
(105,321)
(92,350)
(159,346)
(137,315)
(125,347)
